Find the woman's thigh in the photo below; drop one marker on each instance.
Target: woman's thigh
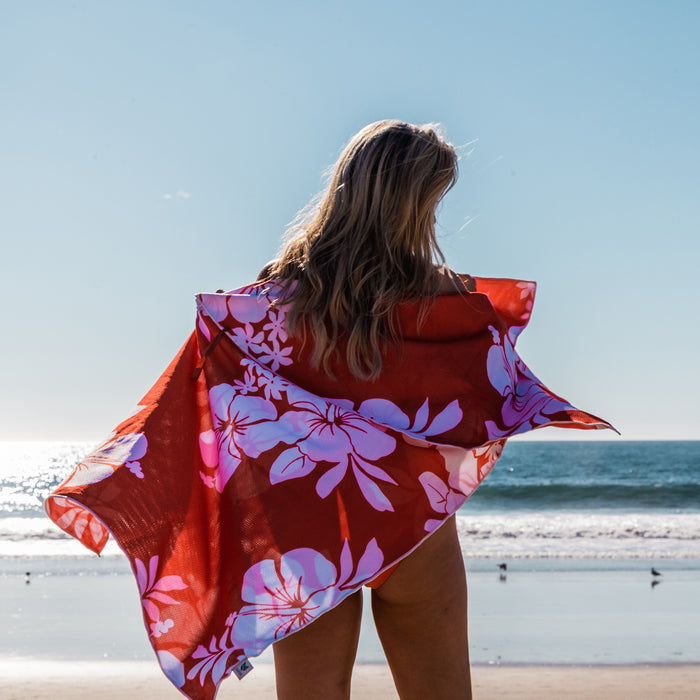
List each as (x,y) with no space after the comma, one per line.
(316,662)
(421,618)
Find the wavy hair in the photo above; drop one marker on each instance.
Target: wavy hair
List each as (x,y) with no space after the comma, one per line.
(367,244)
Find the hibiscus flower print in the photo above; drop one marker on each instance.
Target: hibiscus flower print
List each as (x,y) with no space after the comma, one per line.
(285,595)
(526,403)
(258,377)
(290,592)
(243,425)
(216,657)
(160,627)
(247,308)
(121,450)
(466,469)
(78,522)
(388,413)
(249,385)
(153,592)
(272,384)
(337,435)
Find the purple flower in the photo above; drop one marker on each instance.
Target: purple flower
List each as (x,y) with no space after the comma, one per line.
(275,327)
(290,592)
(285,595)
(105,460)
(243,425)
(526,402)
(322,431)
(246,339)
(274,355)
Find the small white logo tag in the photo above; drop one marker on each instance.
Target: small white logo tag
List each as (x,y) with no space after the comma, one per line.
(242,668)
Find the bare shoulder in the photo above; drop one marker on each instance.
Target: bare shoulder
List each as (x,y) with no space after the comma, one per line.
(450,281)
(469,282)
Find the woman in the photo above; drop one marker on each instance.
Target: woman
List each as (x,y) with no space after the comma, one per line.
(317,433)
(367,247)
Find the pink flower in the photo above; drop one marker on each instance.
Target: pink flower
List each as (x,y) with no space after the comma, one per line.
(466,469)
(443,499)
(275,356)
(243,425)
(288,593)
(78,522)
(105,460)
(326,432)
(388,413)
(152,590)
(247,308)
(246,339)
(249,385)
(526,402)
(214,659)
(285,596)
(272,384)
(160,627)
(275,328)
(213,305)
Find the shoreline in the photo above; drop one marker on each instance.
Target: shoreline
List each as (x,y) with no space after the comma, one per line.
(619,637)
(545,613)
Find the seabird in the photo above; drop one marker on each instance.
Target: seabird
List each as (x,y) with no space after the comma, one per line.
(654,572)
(503,567)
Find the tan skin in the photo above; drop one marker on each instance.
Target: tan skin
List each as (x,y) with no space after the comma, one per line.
(420,613)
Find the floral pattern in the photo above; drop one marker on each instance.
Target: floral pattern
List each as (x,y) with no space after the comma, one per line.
(466,470)
(153,592)
(255,493)
(214,659)
(526,404)
(77,521)
(330,433)
(243,426)
(260,330)
(289,593)
(120,450)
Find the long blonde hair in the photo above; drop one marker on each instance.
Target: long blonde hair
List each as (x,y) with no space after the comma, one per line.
(368,244)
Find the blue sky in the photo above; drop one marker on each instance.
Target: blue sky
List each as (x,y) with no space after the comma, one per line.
(152,150)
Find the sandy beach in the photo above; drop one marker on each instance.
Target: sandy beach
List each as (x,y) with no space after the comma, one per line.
(550,629)
(119,680)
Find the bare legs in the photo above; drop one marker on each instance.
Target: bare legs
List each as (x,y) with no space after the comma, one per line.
(421,618)
(316,662)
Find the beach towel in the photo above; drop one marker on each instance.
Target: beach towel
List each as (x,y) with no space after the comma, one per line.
(252,492)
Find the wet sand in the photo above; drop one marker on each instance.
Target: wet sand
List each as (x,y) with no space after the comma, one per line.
(32,680)
(565,629)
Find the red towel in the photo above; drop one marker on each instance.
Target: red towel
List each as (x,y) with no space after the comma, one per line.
(254,495)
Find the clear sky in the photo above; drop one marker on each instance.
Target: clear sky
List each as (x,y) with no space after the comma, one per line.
(151,150)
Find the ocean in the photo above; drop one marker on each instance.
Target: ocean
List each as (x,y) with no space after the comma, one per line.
(575,500)
(579,524)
